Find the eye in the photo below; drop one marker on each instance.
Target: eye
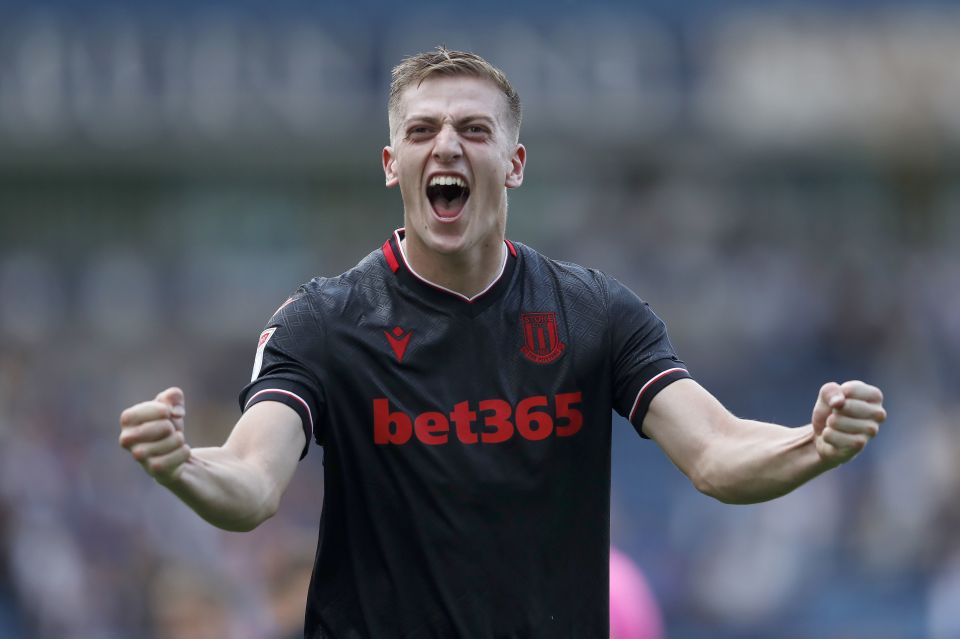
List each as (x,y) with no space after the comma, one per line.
(418,132)
(476,131)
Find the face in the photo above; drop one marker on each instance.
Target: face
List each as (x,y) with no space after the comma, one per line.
(453,155)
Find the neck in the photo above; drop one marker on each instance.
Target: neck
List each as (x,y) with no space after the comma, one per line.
(468,273)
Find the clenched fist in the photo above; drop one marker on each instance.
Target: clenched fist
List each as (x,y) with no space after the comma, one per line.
(153,433)
(845,418)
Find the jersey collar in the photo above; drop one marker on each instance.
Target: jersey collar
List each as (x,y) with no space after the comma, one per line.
(397,261)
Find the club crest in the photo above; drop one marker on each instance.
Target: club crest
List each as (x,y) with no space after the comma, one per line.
(541,341)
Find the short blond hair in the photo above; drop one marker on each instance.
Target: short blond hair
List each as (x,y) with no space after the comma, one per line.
(413,70)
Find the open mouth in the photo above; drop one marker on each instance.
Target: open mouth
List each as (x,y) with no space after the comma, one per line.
(447,194)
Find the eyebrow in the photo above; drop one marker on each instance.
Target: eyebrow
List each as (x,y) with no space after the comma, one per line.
(459,121)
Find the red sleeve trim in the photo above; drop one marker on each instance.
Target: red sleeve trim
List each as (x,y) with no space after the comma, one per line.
(391,258)
(288,394)
(636,402)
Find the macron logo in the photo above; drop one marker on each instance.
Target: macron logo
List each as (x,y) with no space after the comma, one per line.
(398,341)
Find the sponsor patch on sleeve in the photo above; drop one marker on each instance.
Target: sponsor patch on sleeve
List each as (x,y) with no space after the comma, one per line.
(261,346)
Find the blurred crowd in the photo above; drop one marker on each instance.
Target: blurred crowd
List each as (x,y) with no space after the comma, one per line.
(780,257)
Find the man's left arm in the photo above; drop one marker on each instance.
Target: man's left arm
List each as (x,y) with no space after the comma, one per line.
(740,461)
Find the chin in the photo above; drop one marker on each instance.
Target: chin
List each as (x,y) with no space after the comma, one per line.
(446,243)
(452,237)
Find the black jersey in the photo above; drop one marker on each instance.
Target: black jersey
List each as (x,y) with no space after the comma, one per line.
(466,442)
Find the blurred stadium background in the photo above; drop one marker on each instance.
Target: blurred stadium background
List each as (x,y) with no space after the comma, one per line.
(780,180)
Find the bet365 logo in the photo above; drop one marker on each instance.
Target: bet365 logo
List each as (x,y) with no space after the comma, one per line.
(493,422)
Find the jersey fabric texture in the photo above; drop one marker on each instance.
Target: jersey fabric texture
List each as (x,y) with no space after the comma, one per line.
(466,442)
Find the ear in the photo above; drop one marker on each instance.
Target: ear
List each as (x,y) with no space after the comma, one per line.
(390,167)
(517,161)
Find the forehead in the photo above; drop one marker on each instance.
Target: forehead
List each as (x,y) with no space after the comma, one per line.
(456,96)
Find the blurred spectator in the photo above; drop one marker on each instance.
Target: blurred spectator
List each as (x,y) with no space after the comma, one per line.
(634,613)
(186,604)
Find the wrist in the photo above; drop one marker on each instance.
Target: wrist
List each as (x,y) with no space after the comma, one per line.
(176,479)
(828,456)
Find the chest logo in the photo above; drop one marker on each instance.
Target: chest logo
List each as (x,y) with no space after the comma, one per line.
(398,341)
(541,341)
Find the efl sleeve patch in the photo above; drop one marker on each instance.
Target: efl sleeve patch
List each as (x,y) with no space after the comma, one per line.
(286,361)
(261,346)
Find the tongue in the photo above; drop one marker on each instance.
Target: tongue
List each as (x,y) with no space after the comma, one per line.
(448,208)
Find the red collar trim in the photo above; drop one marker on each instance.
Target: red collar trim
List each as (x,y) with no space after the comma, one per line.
(391,256)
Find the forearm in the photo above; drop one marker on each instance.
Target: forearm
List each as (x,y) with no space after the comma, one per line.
(228,492)
(758,462)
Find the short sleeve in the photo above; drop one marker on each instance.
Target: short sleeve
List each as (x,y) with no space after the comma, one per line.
(644,360)
(289,345)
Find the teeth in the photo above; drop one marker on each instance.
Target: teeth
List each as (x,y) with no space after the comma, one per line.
(447,180)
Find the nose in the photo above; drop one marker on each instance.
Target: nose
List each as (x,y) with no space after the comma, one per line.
(446,147)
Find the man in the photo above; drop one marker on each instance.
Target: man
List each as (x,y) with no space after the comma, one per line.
(461,386)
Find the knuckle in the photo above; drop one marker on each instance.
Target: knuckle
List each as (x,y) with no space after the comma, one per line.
(127,440)
(161,410)
(130,417)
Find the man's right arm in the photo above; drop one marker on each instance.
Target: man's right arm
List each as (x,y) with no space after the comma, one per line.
(236,486)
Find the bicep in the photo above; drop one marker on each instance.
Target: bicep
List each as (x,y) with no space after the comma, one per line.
(269,435)
(684,418)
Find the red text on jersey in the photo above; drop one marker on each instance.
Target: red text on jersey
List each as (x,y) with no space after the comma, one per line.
(491,421)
